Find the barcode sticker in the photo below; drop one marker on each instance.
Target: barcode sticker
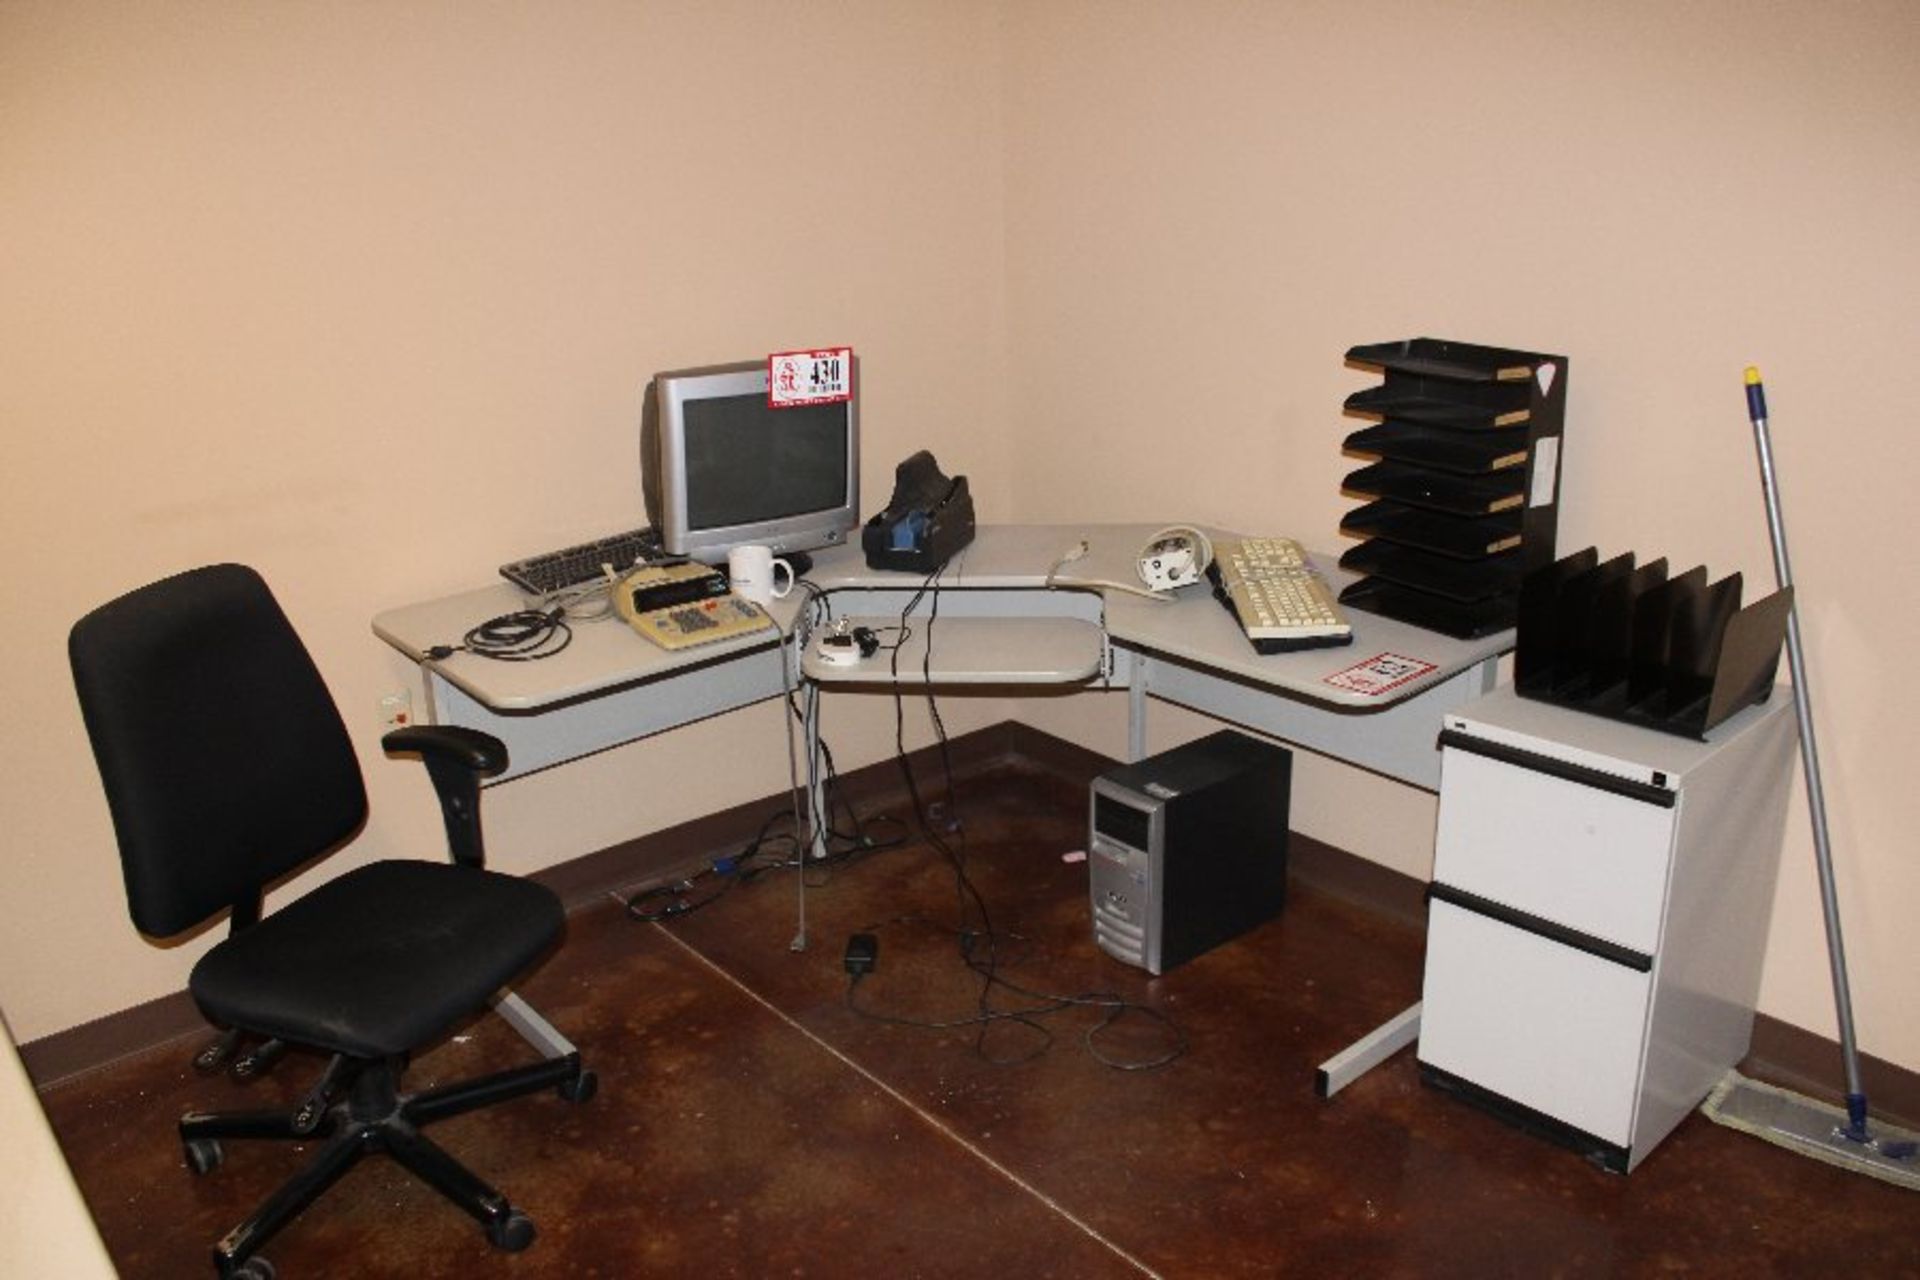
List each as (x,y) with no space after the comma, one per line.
(809,377)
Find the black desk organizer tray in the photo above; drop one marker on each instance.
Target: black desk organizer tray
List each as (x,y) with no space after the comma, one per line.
(1676,654)
(1462,496)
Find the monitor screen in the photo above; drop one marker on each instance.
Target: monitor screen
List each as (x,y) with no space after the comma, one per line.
(746,462)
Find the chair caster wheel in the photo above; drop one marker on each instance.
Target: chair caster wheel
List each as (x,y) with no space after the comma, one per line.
(580,1088)
(510,1233)
(203,1157)
(254,1268)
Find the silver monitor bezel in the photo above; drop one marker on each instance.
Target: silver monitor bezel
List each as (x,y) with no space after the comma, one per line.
(807,531)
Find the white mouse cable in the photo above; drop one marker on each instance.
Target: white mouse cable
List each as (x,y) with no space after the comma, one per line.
(1075,552)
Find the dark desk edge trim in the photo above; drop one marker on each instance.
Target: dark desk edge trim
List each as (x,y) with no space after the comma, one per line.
(1565,770)
(1540,927)
(1782,1054)
(703,659)
(1609,1155)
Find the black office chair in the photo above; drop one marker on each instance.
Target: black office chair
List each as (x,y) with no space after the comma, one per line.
(227,768)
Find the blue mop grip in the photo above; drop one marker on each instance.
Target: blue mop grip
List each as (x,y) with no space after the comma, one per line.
(1756,395)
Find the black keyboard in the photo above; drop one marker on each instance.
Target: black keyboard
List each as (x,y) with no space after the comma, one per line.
(572,566)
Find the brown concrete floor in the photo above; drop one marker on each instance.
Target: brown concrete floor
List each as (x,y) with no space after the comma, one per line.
(750,1124)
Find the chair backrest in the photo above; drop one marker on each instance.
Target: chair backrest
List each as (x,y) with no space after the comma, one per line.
(224,759)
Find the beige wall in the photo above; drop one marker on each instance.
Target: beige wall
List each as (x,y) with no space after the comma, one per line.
(310,285)
(366,294)
(1209,203)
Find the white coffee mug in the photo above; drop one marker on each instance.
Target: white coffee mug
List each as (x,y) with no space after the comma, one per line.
(755,574)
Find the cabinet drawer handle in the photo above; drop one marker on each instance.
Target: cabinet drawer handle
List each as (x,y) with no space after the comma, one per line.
(1600,948)
(1645,792)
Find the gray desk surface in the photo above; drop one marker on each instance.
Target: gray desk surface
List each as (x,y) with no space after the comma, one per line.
(1192,629)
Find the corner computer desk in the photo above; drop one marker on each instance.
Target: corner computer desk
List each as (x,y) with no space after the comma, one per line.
(1377,703)
(610,686)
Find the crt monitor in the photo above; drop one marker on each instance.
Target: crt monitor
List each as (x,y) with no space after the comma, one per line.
(721,466)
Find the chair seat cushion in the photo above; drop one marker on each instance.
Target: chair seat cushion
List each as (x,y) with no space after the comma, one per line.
(379,961)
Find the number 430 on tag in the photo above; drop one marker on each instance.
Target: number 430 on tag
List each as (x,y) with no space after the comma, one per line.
(809,377)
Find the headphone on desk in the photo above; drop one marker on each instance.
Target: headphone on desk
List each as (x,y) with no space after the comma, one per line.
(1174,557)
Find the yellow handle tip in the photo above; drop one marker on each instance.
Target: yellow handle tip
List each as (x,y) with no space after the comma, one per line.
(1753,375)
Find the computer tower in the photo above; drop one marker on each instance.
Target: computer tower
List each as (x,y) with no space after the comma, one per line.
(1188,848)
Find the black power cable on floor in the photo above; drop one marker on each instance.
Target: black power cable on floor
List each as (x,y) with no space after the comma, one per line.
(1112,1005)
(980,947)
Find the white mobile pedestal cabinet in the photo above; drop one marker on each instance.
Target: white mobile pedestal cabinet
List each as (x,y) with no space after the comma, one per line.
(1598,914)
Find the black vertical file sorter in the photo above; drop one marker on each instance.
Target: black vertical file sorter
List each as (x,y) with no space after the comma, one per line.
(1629,642)
(1464,493)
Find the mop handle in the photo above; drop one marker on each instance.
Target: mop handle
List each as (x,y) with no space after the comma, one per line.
(1809,752)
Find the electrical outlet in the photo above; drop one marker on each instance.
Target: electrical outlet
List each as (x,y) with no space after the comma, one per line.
(396,710)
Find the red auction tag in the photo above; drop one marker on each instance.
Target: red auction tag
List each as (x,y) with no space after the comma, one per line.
(1378,674)
(809,377)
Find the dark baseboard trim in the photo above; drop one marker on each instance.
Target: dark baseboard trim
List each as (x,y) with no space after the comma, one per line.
(1782,1054)
(1810,1064)
(66,1055)
(659,857)
(1381,889)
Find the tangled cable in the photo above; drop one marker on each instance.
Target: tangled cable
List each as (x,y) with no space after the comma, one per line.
(522,636)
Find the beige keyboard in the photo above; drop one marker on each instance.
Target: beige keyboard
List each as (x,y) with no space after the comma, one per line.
(1280,602)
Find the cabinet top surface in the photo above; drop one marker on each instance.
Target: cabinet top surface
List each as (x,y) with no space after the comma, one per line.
(1610,745)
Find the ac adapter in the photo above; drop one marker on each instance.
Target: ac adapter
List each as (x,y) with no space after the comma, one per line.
(863,954)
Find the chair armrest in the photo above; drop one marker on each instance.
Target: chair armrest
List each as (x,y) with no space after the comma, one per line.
(480,752)
(456,759)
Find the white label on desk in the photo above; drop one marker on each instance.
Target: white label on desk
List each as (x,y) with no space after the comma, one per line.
(1379,673)
(809,377)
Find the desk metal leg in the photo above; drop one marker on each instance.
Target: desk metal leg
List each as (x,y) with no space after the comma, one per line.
(815,845)
(816,842)
(1368,1052)
(1137,710)
(533,1028)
